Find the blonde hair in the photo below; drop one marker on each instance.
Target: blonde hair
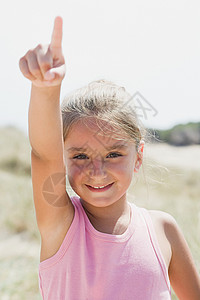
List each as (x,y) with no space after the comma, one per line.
(104,101)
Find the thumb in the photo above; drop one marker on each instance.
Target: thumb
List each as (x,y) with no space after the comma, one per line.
(55,73)
(49,75)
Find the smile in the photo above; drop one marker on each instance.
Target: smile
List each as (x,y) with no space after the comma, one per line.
(99,188)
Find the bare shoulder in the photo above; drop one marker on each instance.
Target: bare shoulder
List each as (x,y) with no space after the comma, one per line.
(161,221)
(183,274)
(161,216)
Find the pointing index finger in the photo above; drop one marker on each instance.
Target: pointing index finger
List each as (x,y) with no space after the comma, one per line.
(56,39)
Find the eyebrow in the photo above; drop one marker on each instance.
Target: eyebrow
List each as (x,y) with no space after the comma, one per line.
(113,147)
(72,149)
(117,146)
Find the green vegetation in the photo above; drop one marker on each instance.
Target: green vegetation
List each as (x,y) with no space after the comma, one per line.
(174,189)
(180,135)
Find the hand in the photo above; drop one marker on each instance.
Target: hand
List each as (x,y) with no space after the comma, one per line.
(45,65)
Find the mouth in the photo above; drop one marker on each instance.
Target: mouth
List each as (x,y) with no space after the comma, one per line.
(99,188)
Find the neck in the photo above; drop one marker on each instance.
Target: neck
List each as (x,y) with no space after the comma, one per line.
(112,219)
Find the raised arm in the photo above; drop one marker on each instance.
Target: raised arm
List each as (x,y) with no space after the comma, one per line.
(45,67)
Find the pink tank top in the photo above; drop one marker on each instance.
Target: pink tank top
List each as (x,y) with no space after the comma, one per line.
(91,265)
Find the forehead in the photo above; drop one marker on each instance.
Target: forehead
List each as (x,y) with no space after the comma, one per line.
(98,134)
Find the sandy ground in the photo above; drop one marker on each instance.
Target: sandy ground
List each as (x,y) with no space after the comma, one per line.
(17,245)
(170,156)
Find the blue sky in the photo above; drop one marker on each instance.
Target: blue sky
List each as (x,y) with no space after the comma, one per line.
(152,48)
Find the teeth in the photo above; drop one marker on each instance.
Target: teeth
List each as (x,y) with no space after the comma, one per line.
(99,187)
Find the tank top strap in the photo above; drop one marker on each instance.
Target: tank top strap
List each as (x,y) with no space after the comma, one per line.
(153,238)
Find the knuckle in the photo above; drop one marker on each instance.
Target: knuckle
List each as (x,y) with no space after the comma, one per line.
(29,53)
(21,61)
(23,66)
(39,46)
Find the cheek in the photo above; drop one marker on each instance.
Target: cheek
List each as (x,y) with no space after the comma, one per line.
(75,173)
(72,171)
(124,167)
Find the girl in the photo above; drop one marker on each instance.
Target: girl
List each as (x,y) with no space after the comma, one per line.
(97,245)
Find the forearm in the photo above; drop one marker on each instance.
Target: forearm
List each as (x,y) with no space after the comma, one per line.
(45,123)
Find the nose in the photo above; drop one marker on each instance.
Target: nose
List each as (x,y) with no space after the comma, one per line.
(96,168)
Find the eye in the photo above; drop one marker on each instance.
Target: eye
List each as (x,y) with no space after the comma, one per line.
(80,156)
(114,154)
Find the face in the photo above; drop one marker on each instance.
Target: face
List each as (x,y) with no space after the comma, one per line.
(100,166)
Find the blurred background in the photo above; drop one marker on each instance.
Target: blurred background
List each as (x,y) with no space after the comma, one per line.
(149,47)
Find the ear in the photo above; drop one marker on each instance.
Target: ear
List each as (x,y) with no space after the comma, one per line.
(139,158)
